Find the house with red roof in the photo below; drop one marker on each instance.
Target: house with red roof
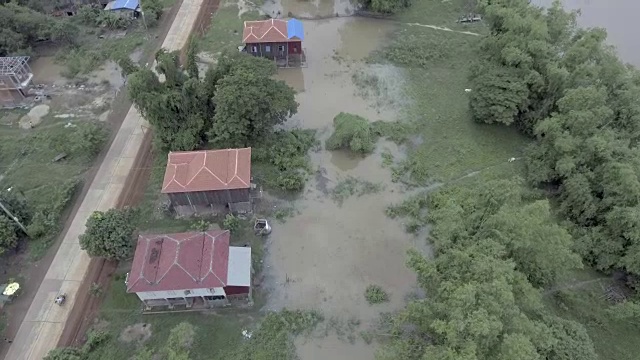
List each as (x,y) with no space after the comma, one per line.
(208,179)
(194,269)
(276,39)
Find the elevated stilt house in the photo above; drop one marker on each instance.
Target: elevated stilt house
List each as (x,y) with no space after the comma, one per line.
(275,39)
(209,181)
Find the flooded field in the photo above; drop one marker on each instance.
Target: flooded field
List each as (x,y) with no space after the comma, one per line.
(325,256)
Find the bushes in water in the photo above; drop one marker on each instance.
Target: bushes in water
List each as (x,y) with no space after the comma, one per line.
(282,160)
(352,132)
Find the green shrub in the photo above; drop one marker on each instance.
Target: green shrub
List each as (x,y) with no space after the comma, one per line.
(351,132)
(231,223)
(375,294)
(8,235)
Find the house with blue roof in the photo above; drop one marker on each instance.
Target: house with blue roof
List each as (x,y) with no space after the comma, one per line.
(276,39)
(125,8)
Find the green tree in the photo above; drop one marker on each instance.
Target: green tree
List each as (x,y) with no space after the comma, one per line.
(8,236)
(249,103)
(66,353)
(178,345)
(192,65)
(385,6)
(109,234)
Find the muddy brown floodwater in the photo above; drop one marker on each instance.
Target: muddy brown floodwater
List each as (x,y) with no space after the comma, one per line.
(325,256)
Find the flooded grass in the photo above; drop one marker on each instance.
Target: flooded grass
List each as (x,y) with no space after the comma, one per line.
(225,32)
(450,143)
(352,186)
(585,303)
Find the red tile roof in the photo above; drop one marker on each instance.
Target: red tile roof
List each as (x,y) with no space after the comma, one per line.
(194,260)
(207,170)
(265,31)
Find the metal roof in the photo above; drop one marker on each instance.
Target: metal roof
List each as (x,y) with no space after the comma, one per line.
(295,29)
(8,65)
(125,4)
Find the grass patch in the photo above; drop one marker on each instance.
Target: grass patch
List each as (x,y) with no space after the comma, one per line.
(220,334)
(445,143)
(375,294)
(353,186)
(26,159)
(92,51)
(225,32)
(613,339)
(119,310)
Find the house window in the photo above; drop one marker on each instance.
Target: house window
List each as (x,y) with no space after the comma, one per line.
(280,47)
(267,48)
(254,49)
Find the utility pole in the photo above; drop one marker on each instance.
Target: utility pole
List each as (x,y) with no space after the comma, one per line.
(15,219)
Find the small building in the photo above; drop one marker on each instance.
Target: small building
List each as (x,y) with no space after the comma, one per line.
(15,80)
(276,39)
(194,269)
(124,8)
(208,180)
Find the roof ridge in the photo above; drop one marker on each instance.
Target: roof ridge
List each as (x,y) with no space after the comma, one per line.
(215,239)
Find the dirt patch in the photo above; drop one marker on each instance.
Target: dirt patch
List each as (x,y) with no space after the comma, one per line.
(34,117)
(139,333)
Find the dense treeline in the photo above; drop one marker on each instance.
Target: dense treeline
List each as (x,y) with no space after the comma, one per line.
(566,88)
(495,246)
(22,27)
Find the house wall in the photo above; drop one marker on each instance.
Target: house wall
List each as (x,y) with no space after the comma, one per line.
(155,295)
(274,50)
(220,197)
(236,290)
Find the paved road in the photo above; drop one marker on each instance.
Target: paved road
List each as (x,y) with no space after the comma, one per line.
(43,325)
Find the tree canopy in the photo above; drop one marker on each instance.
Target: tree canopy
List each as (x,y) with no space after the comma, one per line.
(236,102)
(494,245)
(109,234)
(22,27)
(568,90)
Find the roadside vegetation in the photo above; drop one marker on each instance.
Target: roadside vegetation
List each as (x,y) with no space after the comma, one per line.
(86,40)
(37,189)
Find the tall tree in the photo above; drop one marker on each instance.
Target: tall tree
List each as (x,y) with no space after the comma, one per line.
(109,234)
(249,102)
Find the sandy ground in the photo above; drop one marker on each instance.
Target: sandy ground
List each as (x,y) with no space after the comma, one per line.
(325,256)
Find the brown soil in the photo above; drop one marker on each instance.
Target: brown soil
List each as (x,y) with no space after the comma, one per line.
(139,333)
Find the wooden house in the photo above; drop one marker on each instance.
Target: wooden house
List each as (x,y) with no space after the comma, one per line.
(276,39)
(208,178)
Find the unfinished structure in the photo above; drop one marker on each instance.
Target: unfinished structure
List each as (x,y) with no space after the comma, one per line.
(15,80)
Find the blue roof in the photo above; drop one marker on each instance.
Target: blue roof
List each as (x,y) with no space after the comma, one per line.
(125,4)
(295,29)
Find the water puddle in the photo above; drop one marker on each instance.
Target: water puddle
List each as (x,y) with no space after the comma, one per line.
(360,38)
(46,71)
(345,160)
